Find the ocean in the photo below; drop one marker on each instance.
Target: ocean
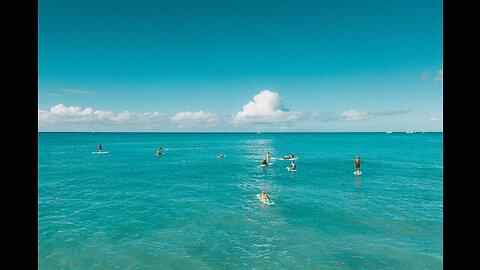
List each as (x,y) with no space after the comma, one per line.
(188,209)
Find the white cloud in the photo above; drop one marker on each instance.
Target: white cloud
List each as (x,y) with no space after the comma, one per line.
(355,116)
(61,117)
(264,112)
(43,116)
(60,109)
(350,115)
(265,107)
(75,113)
(194,117)
(75,118)
(439,76)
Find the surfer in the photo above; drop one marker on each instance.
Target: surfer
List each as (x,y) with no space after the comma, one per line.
(268,156)
(264,163)
(160,151)
(357,163)
(294,167)
(99,148)
(221,156)
(264,196)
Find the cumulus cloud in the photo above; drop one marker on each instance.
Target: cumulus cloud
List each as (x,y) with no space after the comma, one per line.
(194,117)
(75,113)
(61,117)
(266,107)
(265,111)
(439,76)
(61,109)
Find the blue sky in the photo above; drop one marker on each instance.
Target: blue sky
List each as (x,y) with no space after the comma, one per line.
(196,65)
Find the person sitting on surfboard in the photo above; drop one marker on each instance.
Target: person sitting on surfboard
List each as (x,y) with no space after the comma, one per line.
(264,162)
(357,163)
(265,197)
(99,148)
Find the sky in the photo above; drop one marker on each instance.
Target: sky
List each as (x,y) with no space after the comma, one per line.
(249,65)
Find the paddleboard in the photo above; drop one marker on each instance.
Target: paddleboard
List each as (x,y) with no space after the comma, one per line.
(100,153)
(265,202)
(287,158)
(357,172)
(290,169)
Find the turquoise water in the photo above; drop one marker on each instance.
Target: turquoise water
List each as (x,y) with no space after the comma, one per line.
(188,209)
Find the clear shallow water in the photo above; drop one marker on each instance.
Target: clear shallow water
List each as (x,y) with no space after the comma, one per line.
(188,209)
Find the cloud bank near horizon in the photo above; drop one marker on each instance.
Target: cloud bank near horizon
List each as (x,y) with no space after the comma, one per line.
(352,115)
(264,111)
(74,118)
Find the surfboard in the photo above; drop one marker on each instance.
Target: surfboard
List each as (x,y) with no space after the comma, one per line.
(287,158)
(265,202)
(265,165)
(290,169)
(357,172)
(100,153)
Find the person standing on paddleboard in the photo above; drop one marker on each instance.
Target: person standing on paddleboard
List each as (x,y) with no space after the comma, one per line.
(357,163)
